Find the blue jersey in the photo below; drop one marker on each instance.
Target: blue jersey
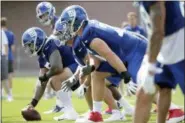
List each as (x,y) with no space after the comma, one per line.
(11,40)
(49,47)
(128,46)
(174,19)
(122,42)
(136,29)
(79,51)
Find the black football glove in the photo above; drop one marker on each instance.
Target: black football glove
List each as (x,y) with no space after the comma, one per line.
(67,84)
(126,76)
(86,70)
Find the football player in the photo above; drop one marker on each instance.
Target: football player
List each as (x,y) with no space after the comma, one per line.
(45,13)
(109,47)
(164,66)
(85,88)
(56,64)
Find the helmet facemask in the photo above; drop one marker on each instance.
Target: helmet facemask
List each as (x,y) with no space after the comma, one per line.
(46,17)
(62,31)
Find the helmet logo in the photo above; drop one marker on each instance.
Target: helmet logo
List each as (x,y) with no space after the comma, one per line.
(71,13)
(32,33)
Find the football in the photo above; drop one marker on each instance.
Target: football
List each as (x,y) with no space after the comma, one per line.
(31,115)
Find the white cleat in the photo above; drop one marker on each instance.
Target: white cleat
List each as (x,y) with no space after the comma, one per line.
(9,98)
(129,112)
(55,109)
(68,115)
(116,116)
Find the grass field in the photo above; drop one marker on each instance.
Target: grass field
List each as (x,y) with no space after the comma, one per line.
(23,91)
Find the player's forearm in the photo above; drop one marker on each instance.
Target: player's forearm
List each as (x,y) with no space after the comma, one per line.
(38,93)
(115,62)
(154,47)
(157,14)
(56,64)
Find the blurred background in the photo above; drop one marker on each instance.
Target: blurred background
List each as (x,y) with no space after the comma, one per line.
(22,15)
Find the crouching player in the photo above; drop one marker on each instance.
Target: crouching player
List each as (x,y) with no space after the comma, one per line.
(109,48)
(56,63)
(45,13)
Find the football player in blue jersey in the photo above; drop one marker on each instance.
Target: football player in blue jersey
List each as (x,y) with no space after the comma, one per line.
(108,47)
(45,13)
(56,63)
(85,88)
(164,66)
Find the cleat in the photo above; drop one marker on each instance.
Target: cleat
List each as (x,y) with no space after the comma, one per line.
(175,116)
(68,115)
(116,116)
(56,109)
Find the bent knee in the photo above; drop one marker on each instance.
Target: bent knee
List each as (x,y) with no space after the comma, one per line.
(55,84)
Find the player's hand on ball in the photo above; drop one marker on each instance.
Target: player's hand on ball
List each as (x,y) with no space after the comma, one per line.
(67,84)
(81,91)
(28,107)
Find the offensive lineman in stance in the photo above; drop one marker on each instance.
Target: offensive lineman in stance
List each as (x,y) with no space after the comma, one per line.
(56,64)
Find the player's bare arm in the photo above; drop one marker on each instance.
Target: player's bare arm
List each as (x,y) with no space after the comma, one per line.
(39,91)
(157,14)
(102,48)
(56,66)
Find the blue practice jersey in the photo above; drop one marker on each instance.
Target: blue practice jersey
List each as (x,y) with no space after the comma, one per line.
(79,51)
(11,40)
(122,42)
(49,47)
(174,19)
(137,29)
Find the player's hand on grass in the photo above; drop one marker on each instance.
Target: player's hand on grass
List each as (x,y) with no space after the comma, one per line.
(81,91)
(67,84)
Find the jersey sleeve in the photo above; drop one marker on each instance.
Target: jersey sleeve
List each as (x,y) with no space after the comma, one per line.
(79,51)
(49,48)
(41,62)
(88,35)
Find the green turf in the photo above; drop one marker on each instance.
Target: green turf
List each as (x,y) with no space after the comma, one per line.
(23,91)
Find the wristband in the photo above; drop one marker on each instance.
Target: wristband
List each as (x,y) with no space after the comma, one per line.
(34,102)
(92,68)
